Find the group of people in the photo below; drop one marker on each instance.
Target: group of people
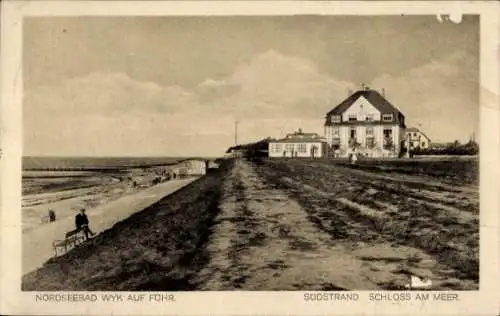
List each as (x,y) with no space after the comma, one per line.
(81,222)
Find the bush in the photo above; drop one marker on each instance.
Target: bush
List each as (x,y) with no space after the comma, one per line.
(253,150)
(471,148)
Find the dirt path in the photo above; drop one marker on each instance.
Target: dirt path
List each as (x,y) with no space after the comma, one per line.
(37,243)
(264,241)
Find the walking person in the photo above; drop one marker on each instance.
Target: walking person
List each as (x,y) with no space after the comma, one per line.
(52,216)
(354,157)
(82,223)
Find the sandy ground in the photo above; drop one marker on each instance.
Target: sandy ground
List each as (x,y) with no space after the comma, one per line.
(37,242)
(67,192)
(67,203)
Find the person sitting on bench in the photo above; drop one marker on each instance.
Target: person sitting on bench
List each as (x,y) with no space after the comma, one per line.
(82,223)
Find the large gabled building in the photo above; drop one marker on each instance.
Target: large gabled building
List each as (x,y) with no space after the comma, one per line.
(365,122)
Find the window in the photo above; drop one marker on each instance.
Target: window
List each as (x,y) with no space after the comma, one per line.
(369,117)
(414,134)
(335,119)
(352,133)
(388,141)
(352,117)
(369,131)
(301,148)
(277,148)
(370,142)
(387,132)
(289,147)
(423,144)
(336,132)
(387,117)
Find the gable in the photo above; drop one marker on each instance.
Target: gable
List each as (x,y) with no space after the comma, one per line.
(374,99)
(361,108)
(412,130)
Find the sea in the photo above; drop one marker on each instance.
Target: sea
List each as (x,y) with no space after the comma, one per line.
(85,163)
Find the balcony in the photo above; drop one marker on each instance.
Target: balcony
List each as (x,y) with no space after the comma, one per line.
(388,143)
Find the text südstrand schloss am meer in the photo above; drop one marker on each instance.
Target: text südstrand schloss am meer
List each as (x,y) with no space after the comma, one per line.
(381,297)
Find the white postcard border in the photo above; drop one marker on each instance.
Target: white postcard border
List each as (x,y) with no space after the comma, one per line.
(13,301)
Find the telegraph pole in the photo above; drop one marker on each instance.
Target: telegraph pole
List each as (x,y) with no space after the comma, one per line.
(236,133)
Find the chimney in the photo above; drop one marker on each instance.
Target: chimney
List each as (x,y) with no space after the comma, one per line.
(349,92)
(300,130)
(383,92)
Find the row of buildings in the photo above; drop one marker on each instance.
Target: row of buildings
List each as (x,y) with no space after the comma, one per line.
(366,123)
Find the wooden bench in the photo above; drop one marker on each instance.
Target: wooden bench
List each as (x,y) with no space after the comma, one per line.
(71,239)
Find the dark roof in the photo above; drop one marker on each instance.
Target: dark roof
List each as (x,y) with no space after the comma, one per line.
(375,98)
(303,134)
(299,140)
(300,137)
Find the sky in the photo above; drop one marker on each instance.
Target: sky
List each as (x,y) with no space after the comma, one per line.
(174,86)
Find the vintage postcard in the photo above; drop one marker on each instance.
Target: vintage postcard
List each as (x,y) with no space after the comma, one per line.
(300,158)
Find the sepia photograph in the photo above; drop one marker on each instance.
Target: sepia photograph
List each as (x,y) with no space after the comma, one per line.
(250,153)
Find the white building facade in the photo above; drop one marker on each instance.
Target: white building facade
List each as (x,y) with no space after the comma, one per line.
(365,123)
(299,145)
(417,139)
(192,167)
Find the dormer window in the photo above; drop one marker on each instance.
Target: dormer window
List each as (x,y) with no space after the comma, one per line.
(335,119)
(352,117)
(387,117)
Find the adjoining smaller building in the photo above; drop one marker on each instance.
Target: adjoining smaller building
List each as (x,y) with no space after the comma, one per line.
(416,138)
(299,144)
(191,167)
(195,167)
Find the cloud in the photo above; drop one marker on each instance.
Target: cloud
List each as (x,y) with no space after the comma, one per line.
(442,95)
(273,84)
(106,94)
(213,90)
(271,94)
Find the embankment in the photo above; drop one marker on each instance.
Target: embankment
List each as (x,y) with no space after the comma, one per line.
(159,248)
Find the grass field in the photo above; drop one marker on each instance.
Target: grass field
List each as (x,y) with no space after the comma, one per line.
(291,225)
(358,204)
